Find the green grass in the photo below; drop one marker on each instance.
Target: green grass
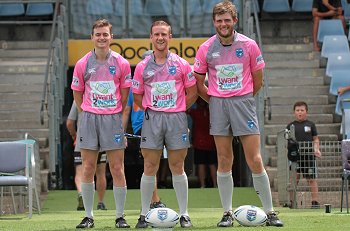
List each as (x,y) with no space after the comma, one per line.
(58,213)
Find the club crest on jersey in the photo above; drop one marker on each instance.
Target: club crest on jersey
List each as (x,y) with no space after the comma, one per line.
(239,52)
(162,214)
(117,138)
(172,70)
(112,70)
(251,215)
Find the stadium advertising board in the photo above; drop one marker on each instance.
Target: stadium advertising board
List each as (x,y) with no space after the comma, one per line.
(132,49)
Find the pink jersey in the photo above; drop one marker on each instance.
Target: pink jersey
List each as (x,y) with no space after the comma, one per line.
(229,67)
(101,82)
(163,85)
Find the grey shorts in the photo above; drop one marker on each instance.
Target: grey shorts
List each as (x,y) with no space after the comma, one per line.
(164,128)
(234,116)
(100,132)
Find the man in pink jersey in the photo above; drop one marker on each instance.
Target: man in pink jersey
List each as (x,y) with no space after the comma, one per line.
(235,74)
(101,83)
(164,87)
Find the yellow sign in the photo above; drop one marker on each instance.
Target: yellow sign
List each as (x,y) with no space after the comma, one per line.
(132,49)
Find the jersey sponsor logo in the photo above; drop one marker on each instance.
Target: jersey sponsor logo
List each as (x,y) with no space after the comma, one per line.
(164,94)
(91,70)
(215,55)
(239,52)
(135,84)
(75,81)
(112,70)
(259,60)
(103,94)
(190,76)
(229,76)
(307,129)
(172,70)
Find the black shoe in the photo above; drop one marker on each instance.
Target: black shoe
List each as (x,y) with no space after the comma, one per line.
(315,205)
(141,223)
(121,223)
(185,222)
(80,206)
(273,220)
(226,220)
(101,206)
(158,204)
(87,222)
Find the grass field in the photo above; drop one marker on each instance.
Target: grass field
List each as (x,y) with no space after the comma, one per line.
(58,213)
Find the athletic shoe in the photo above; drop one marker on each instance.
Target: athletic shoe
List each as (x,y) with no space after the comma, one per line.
(226,220)
(121,223)
(158,204)
(87,222)
(185,222)
(101,206)
(80,203)
(141,223)
(315,205)
(273,220)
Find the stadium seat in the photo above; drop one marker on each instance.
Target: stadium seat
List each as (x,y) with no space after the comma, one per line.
(302,5)
(158,7)
(345,154)
(339,61)
(11,9)
(334,44)
(39,9)
(18,163)
(97,7)
(343,103)
(276,6)
(340,78)
(329,27)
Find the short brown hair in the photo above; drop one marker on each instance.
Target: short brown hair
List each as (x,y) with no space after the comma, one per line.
(160,23)
(225,7)
(299,104)
(101,23)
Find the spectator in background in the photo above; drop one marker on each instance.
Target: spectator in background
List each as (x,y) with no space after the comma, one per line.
(305,130)
(101,182)
(203,143)
(325,9)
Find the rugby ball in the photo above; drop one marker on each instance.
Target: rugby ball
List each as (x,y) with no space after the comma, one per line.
(162,218)
(250,215)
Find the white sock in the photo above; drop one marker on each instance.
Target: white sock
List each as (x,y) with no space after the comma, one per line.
(147,187)
(88,192)
(119,198)
(262,187)
(225,185)
(180,184)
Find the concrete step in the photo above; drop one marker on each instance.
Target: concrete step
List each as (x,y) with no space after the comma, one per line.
(282,28)
(17,133)
(306,39)
(297,64)
(313,99)
(294,72)
(328,128)
(21,78)
(23,45)
(271,139)
(22,104)
(285,119)
(24,53)
(20,67)
(21,96)
(288,48)
(286,81)
(298,90)
(17,123)
(24,87)
(313,109)
(290,55)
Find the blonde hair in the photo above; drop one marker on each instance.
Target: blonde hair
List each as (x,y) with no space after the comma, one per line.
(225,7)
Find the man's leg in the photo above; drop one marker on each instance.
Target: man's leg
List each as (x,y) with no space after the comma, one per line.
(101,184)
(224,177)
(314,32)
